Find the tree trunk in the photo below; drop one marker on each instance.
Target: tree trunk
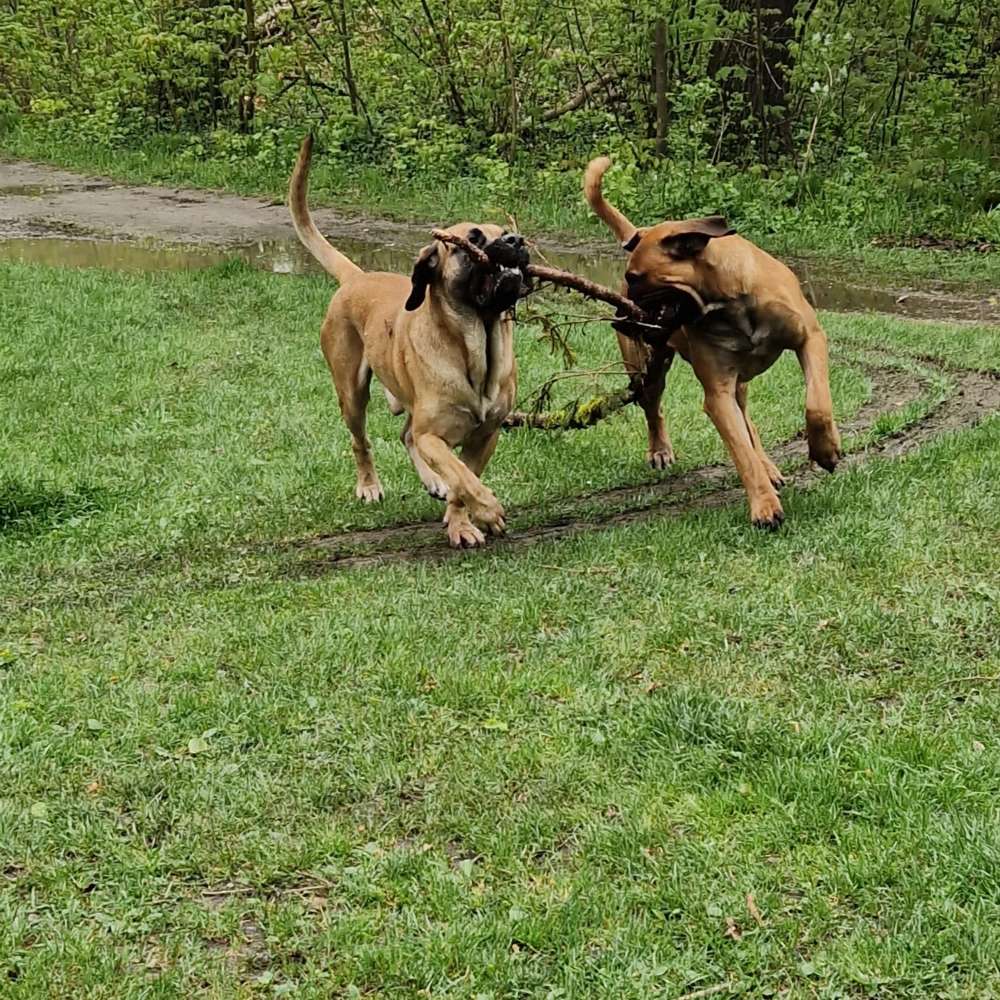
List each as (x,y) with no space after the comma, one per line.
(513,113)
(345,43)
(765,53)
(249,96)
(447,66)
(660,83)
(776,30)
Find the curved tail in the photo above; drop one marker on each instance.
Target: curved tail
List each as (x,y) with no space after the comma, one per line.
(610,215)
(333,261)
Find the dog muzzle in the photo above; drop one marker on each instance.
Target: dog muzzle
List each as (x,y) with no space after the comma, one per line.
(667,309)
(507,280)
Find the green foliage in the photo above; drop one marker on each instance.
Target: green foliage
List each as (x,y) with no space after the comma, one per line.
(872,111)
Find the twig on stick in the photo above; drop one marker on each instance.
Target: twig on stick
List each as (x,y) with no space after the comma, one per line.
(575,417)
(479,256)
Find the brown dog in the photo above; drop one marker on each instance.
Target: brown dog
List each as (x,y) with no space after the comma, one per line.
(441,343)
(754,310)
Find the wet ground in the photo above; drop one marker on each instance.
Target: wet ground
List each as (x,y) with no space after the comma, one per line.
(53,216)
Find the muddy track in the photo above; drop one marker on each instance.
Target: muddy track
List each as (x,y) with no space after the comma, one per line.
(972,397)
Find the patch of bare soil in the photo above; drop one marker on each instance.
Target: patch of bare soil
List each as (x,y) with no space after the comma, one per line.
(928,242)
(37,200)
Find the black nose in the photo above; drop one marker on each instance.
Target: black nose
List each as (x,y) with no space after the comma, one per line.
(513,239)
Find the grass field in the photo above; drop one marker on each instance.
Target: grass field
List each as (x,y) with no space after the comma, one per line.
(554,771)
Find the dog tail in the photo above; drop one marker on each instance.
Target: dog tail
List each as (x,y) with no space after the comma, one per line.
(333,261)
(612,218)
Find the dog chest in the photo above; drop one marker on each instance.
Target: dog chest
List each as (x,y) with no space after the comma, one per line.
(489,358)
(738,326)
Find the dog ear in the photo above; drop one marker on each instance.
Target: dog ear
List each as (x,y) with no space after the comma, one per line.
(424,269)
(633,241)
(694,237)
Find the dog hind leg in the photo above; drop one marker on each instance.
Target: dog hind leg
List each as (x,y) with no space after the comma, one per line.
(773,472)
(821,431)
(344,351)
(647,368)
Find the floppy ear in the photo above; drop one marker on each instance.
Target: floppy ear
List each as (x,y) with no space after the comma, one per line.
(695,236)
(633,241)
(424,269)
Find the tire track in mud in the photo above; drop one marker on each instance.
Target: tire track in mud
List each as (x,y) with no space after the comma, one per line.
(972,397)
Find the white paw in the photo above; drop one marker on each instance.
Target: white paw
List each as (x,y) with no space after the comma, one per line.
(369,492)
(436,489)
(662,458)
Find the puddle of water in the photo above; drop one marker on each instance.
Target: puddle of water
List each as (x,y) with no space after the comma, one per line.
(278,257)
(289,257)
(103,254)
(40,190)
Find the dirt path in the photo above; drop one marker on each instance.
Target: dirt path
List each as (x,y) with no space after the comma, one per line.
(973,397)
(38,200)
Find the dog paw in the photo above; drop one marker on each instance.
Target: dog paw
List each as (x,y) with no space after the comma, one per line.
(824,445)
(774,474)
(827,454)
(661,458)
(436,489)
(490,516)
(767,514)
(463,534)
(486,511)
(496,522)
(369,492)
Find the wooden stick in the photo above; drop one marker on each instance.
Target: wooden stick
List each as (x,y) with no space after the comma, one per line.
(479,256)
(627,309)
(587,288)
(554,275)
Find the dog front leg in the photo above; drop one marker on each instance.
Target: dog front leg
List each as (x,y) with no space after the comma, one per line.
(821,431)
(434,486)
(724,411)
(469,501)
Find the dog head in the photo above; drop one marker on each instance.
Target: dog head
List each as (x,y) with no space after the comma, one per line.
(671,254)
(452,274)
(663,259)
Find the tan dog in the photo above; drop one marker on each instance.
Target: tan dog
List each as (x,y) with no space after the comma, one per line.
(755,309)
(441,343)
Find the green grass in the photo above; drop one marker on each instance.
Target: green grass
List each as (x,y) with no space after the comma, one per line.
(821,227)
(545,772)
